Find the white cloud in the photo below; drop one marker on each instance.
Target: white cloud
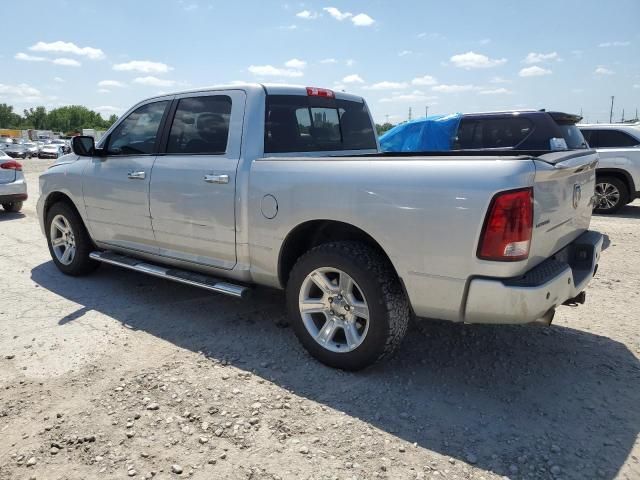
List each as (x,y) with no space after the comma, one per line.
(154,81)
(614,44)
(359,20)
(66,62)
(289,27)
(499,80)
(337,14)
(271,71)
(28,58)
(424,80)
(471,60)
(534,71)
(404,53)
(496,91)
(307,15)
(22,90)
(387,86)
(111,83)
(453,88)
(329,60)
(350,62)
(533,57)
(58,79)
(108,110)
(68,47)
(355,78)
(144,66)
(295,63)
(415,96)
(485,41)
(362,20)
(603,71)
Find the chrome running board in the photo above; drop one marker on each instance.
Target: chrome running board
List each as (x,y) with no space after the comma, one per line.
(183,276)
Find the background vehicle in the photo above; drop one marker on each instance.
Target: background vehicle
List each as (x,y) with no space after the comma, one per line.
(283,186)
(51,151)
(532,130)
(13,187)
(618,174)
(32,149)
(16,150)
(66,148)
(5,142)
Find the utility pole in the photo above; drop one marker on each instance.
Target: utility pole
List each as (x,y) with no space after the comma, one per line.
(611,112)
(409,113)
(426,111)
(622,119)
(386,118)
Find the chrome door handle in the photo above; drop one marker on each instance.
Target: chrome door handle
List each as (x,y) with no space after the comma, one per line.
(216,178)
(136,175)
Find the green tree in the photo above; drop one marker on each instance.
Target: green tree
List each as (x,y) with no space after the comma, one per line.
(385,127)
(36,118)
(8,118)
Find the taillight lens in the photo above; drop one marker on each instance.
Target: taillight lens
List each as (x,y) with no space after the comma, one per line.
(506,236)
(11,165)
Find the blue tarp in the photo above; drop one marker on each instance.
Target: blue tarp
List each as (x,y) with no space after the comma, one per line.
(434,133)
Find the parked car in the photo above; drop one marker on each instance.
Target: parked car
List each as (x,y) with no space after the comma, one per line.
(16,150)
(66,148)
(51,151)
(528,130)
(618,173)
(32,149)
(5,142)
(13,186)
(284,186)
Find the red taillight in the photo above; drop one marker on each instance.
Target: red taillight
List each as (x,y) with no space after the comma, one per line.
(11,165)
(320,92)
(506,235)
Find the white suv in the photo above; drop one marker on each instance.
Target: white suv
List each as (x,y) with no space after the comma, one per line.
(618,174)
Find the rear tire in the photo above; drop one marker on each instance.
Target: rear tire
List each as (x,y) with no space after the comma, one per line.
(13,207)
(611,195)
(362,312)
(68,240)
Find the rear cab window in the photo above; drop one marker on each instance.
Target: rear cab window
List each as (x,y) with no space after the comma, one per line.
(298,123)
(492,132)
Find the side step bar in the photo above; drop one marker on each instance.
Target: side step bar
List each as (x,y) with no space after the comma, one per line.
(177,275)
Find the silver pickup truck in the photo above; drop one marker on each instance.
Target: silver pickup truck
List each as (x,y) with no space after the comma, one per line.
(233,186)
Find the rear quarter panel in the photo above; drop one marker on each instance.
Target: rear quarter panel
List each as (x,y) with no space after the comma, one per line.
(426,213)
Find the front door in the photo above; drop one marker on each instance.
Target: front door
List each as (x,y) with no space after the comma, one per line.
(192,191)
(116,184)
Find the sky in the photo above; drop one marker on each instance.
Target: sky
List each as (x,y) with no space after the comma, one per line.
(460,56)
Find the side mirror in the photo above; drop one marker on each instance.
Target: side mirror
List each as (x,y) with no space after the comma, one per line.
(83,145)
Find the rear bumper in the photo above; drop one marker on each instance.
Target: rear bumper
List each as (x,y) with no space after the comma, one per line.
(528,298)
(13,192)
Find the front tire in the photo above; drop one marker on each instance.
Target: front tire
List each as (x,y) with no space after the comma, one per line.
(68,240)
(346,305)
(611,195)
(13,207)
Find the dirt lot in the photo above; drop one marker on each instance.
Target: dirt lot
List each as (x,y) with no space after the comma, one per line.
(121,375)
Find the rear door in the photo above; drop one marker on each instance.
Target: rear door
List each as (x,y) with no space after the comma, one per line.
(116,185)
(193,185)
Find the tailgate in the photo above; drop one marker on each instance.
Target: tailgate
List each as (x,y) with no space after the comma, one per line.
(562,192)
(7,175)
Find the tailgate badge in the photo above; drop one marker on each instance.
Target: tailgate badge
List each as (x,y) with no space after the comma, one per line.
(577,195)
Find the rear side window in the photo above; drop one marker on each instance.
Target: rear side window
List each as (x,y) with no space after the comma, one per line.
(296,123)
(200,125)
(492,133)
(610,139)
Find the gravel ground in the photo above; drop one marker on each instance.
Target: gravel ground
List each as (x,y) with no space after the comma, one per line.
(121,375)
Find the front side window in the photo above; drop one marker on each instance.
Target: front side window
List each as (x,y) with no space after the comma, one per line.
(200,125)
(296,123)
(136,134)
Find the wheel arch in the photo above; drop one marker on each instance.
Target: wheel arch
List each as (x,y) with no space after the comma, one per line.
(60,197)
(312,233)
(621,174)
